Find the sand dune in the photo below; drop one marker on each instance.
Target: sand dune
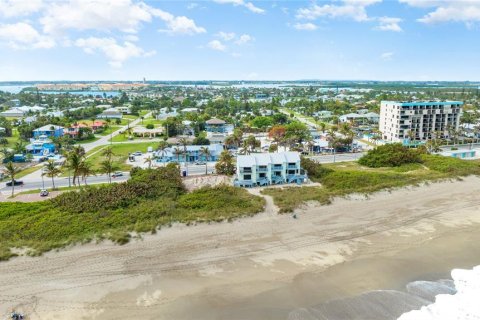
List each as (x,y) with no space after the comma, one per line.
(262,267)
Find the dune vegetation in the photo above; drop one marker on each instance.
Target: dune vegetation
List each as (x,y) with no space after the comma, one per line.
(150,199)
(383,169)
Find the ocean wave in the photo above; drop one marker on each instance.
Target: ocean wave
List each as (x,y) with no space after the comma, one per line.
(420,296)
(463,305)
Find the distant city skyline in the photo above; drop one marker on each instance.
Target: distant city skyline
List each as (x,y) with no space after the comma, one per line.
(88,40)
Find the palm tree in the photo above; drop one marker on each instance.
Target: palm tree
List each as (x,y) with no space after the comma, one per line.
(11,171)
(149,160)
(107,166)
(178,152)
(74,162)
(86,169)
(162,149)
(52,171)
(204,151)
(184,143)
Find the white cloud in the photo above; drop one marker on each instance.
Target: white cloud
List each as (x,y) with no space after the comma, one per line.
(217,45)
(250,6)
(389,24)
(352,9)
(116,53)
(387,56)
(305,26)
(467,11)
(103,15)
(109,15)
(22,35)
(16,8)
(226,36)
(182,25)
(192,6)
(244,39)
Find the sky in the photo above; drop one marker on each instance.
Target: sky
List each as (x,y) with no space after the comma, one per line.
(418,40)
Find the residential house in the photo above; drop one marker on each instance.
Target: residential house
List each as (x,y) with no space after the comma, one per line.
(262,169)
(49,130)
(40,146)
(124,109)
(111,113)
(13,113)
(215,125)
(193,154)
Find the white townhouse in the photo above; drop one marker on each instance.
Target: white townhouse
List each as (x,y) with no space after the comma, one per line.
(262,169)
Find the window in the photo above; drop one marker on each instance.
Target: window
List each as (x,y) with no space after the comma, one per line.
(247,177)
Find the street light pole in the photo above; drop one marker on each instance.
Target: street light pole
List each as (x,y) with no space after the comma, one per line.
(43,183)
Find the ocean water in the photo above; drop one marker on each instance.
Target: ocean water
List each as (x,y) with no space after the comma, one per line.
(447,299)
(463,305)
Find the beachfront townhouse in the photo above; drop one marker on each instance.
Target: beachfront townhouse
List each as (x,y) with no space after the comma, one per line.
(49,131)
(262,169)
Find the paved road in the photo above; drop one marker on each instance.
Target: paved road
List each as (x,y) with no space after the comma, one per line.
(103,141)
(59,182)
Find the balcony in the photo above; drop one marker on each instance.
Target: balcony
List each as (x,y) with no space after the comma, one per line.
(245,170)
(262,169)
(277,168)
(292,166)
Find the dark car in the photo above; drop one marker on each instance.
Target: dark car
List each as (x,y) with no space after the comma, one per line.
(44,193)
(117,174)
(15,183)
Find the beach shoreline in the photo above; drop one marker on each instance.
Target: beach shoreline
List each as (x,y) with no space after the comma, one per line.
(262,267)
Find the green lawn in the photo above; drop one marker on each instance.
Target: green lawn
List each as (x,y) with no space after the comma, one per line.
(13,139)
(88,140)
(27,171)
(121,152)
(120,138)
(110,129)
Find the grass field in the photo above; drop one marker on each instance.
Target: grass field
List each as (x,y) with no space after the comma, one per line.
(350,177)
(110,129)
(121,152)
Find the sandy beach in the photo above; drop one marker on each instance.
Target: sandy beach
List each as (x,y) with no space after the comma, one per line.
(266,267)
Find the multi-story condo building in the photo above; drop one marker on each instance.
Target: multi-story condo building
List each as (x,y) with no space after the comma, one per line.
(410,122)
(262,169)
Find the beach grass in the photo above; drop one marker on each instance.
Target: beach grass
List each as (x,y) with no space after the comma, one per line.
(350,177)
(149,200)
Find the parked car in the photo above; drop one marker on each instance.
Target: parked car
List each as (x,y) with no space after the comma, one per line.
(117,174)
(137,153)
(200,163)
(44,193)
(15,183)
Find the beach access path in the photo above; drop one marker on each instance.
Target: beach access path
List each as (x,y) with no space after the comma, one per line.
(261,267)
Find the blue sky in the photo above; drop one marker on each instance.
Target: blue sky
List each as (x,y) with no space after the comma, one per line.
(239,39)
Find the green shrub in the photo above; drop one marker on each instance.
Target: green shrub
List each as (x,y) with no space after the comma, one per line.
(289,198)
(451,166)
(314,169)
(150,126)
(343,182)
(144,184)
(390,155)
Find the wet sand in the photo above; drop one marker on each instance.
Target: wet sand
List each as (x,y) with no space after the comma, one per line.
(262,267)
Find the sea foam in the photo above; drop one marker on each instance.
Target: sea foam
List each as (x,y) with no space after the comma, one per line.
(464,305)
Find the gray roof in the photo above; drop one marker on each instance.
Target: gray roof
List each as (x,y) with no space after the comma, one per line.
(48,127)
(215,121)
(263,159)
